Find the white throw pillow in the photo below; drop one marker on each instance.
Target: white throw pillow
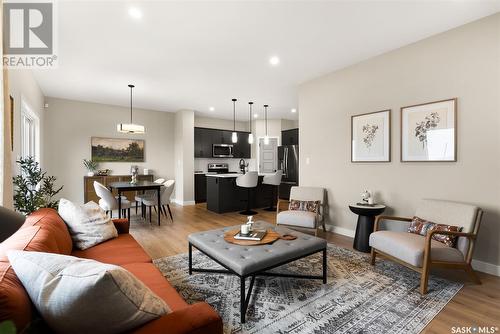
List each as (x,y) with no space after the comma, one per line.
(76,295)
(88,224)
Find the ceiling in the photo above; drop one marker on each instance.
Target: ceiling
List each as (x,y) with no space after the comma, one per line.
(197,55)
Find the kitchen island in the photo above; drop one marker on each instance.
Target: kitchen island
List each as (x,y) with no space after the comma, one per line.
(223,195)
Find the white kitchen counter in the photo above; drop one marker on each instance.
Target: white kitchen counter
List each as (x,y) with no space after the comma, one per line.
(228,175)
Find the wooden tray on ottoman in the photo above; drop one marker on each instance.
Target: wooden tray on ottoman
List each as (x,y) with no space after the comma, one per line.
(270,237)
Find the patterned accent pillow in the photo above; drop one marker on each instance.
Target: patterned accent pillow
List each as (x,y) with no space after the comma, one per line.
(311,206)
(421,226)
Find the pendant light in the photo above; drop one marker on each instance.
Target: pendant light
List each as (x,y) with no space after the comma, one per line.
(250,135)
(234,136)
(130,127)
(266,138)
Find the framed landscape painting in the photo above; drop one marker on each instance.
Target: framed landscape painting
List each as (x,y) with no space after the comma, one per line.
(117,149)
(371,137)
(428,131)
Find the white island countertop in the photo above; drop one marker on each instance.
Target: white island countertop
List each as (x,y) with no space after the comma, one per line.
(228,175)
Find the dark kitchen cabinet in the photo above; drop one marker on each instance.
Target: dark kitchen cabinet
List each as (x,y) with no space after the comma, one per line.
(200,188)
(242,149)
(202,143)
(290,137)
(204,139)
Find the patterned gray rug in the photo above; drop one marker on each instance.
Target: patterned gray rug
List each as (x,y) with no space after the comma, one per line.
(358,298)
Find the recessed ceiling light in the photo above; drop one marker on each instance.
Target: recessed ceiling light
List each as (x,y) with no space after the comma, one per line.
(211,108)
(293,110)
(255,115)
(274,60)
(135,13)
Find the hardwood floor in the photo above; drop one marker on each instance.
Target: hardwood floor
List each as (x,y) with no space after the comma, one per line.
(474,305)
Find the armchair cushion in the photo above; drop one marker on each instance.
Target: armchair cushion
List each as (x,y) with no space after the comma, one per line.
(297,218)
(409,247)
(421,226)
(298,205)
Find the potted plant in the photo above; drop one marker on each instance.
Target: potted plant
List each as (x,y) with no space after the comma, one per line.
(91,166)
(33,189)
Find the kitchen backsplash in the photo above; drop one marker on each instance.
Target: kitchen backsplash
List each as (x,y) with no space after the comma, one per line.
(200,164)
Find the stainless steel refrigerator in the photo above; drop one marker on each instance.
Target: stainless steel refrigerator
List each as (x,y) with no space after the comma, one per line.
(288,162)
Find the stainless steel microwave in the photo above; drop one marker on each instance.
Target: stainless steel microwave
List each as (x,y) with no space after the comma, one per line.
(222,150)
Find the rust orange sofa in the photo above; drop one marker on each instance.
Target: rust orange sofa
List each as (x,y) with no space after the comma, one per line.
(45,231)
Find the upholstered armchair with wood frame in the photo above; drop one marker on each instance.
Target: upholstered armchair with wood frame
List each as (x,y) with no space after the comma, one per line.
(421,253)
(303,218)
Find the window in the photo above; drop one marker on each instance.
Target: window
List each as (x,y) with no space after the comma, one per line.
(30,134)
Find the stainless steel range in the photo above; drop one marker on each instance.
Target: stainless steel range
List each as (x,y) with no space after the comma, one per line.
(218,168)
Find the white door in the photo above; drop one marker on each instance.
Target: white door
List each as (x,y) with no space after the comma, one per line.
(268,155)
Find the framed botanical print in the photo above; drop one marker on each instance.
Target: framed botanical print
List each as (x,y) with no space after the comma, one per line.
(371,137)
(429,131)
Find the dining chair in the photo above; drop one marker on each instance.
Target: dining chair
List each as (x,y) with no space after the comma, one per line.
(108,202)
(148,193)
(165,194)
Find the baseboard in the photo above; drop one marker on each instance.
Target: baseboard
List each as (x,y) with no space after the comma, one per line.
(481,266)
(486,267)
(340,230)
(183,203)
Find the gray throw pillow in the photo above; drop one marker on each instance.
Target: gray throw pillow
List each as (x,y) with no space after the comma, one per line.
(88,224)
(85,296)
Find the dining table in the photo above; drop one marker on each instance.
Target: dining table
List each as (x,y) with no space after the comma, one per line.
(138,186)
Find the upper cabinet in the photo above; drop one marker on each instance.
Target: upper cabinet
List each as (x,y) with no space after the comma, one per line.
(205,138)
(290,137)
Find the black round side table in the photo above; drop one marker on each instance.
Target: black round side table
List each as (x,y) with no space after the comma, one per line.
(366,219)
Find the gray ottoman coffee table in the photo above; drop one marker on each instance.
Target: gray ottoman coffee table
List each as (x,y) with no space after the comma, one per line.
(252,261)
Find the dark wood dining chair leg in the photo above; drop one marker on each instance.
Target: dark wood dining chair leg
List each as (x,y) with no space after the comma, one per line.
(170,212)
(164,210)
(150,213)
(155,210)
(136,204)
(128,211)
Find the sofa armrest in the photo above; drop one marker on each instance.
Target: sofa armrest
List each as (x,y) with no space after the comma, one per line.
(122,225)
(395,218)
(199,318)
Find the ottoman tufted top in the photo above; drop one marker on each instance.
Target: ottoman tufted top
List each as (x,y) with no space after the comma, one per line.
(245,260)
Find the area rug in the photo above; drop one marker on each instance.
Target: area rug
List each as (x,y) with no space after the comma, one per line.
(358,298)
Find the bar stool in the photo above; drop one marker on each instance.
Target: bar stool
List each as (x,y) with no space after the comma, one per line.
(274,181)
(249,181)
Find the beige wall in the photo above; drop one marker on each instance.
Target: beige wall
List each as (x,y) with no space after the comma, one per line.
(217,123)
(287,124)
(462,63)
(70,124)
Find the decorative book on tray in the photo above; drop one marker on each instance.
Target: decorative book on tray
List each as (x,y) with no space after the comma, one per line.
(254,235)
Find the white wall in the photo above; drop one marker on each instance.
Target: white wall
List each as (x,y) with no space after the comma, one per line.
(462,63)
(23,87)
(70,124)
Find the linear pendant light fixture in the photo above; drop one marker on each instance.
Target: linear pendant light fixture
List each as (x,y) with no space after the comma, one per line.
(266,138)
(130,127)
(250,135)
(234,136)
